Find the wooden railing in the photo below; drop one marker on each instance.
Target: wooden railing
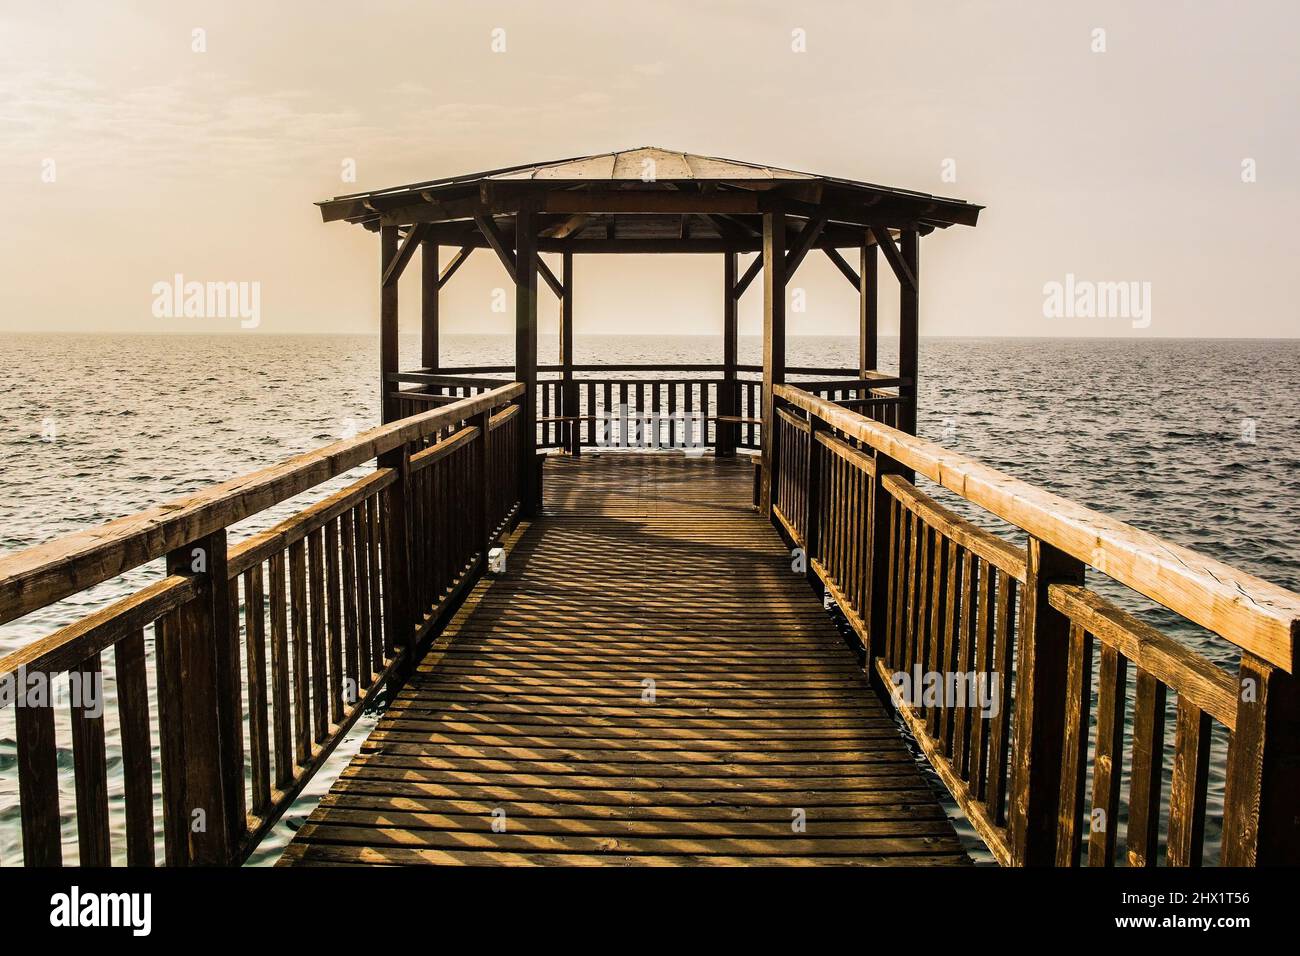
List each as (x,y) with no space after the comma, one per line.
(988,651)
(649,406)
(263,654)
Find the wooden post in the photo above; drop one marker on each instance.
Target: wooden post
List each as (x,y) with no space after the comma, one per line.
(728,394)
(812,500)
(878,533)
(429,305)
(570,430)
(868,310)
(773,345)
(203,769)
(483,421)
(399,617)
(526,358)
(909,316)
(1261,823)
(387,325)
(1040,707)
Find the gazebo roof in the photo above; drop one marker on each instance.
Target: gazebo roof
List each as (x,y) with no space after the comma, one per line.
(651,194)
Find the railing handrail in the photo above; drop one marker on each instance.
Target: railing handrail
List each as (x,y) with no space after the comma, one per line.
(39,576)
(1256,615)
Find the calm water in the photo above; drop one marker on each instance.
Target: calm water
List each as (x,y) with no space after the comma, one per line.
(1194,440)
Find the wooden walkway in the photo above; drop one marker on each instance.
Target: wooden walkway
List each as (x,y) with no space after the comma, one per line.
(648,684)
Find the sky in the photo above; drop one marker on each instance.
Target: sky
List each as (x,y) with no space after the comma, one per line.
(1151,143)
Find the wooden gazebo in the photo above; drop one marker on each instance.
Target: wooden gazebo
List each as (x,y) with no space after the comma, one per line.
(650,200)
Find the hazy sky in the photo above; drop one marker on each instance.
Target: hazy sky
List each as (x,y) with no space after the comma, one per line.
(1117,166)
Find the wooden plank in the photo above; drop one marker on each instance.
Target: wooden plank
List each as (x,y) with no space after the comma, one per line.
(1078,695)
(1146,777)
(534,698)
(38,784)
(137,750)
(259,744)
(1187,792)
(89,765)
(1108,753)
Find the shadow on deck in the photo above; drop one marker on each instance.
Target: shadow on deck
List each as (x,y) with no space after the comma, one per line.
(647,684)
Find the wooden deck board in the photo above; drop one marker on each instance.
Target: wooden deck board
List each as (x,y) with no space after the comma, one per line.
(531,705)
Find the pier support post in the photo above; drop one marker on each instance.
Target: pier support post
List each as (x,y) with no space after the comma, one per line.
(879,536)
(728,395)
(429,305)
(199,700)
(387,325)
(1261,825)
(399,616)
(868,310)
(909,329)
(570,430)
(1041,692)
(526,358)
(773,346)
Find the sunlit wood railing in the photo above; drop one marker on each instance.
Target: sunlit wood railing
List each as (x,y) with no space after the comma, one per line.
(263,653)
(939,602)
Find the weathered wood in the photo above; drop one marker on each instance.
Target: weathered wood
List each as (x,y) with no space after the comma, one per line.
(1074,751)
(1252,613)
(773,344)
(526,358)
(259,744)
(201,674)
(1040,707)
(137,752)
(561,736)
(1108,755)
(388,322)
(89,766)
(430,282)
(38,783)
(1145,780)
(1260,825)
(39,576)
(868,282)
(1187,790)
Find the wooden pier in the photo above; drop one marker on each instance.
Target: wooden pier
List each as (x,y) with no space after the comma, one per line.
(694,551)
(647,684)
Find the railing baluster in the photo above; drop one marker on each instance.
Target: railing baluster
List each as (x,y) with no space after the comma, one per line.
(1040,707)
(280,671)
(1187,791)
(137,750)
(90,770)
(258,744)
(1112,679)
(1074,748)
(38,783)
(1143,836)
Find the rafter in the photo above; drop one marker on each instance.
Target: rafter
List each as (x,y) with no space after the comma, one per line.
(895,258)
(840,263)
(457,261)
(404,253)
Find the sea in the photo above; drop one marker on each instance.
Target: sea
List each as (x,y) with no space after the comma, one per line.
(1194,440)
